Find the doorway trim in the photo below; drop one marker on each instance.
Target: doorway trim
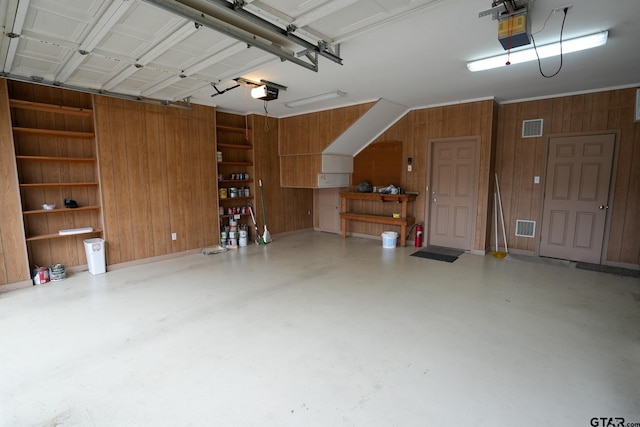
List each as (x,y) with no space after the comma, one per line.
(428,205)
(612,186)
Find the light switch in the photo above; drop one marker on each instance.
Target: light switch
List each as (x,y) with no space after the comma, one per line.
(536,180)
(409,168)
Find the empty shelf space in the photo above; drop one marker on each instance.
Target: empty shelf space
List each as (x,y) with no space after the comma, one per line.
(55,132)
(50,108)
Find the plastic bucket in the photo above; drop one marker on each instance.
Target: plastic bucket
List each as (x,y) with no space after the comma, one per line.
(389,239)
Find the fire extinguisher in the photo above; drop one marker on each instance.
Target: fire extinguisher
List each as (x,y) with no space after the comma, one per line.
(418,242)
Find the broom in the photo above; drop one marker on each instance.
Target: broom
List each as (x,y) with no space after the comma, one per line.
(253,218)
(266,236)
(497,253)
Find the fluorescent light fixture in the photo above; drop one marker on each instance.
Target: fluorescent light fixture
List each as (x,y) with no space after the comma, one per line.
(546,51)
(316,98)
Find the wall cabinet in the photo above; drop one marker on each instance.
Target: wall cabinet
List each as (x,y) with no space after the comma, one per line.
(55,156)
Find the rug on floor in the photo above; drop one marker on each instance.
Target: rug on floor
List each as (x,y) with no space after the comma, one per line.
(608,269)
(439,253)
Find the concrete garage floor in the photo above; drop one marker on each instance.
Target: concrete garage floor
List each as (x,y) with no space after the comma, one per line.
(316,330)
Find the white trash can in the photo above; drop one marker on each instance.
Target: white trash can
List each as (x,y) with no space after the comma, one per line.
(94,248)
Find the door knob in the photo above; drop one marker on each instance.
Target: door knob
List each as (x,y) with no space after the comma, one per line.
(434,200)
(603,207)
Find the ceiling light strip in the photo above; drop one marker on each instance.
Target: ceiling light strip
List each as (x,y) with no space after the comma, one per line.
(546,51)
(315,98)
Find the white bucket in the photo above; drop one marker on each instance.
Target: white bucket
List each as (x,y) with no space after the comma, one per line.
(389,239)
(243,241)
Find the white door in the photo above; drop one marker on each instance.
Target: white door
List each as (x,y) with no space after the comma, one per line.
(576,197)
(453,191)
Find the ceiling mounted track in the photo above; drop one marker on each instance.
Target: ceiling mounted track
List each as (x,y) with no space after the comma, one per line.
(236,8)
(201,18)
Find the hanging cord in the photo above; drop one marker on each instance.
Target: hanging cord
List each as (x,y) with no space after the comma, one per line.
(509,37)
(564,18)
(266,117)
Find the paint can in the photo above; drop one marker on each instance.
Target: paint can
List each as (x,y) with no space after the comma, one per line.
(223,193)
(219,156)
(242,241)
(233,192)
(41,276)
(233,242)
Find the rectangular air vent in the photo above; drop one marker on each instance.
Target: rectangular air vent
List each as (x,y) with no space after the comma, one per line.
(531,128)
(525,228)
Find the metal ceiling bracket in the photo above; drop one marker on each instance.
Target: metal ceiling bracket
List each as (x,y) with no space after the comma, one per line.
(216,24)
(273,28)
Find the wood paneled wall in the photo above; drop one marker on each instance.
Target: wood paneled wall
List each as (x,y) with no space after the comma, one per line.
(380,164)
(420,126)
(14,265)
(519,160)
(304,137)
(288,209)
(158,176)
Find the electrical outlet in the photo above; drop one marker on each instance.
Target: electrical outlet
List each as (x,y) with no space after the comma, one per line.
(174,236)
(536,180)
(409,167)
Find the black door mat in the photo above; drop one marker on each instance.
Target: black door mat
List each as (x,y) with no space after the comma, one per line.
(439,253)
(608,269)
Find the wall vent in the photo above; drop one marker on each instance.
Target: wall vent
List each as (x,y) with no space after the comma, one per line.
(531,128)
(525,228)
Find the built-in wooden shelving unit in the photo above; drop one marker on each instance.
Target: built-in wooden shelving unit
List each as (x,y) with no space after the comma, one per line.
(56,160)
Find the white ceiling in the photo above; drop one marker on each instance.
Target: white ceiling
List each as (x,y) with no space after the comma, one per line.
(410,52)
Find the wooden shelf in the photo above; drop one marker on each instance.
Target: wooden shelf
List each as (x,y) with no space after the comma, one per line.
(232,129)
(60,184)
(236,198)
(235,163)
(57,159)
(54,132)
(62,210)
(56,235)
(234,181)
(404,220)
(50,108)
(231,216)
(235,146)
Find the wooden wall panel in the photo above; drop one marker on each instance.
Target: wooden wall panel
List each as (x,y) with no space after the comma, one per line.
(300,171)
(420,126)
(158,174)
(287,209)
(14,266)
(380,164)
(519,160)
(313,132)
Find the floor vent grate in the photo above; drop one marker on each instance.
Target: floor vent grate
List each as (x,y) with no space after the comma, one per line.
(525,228)
(531,128)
